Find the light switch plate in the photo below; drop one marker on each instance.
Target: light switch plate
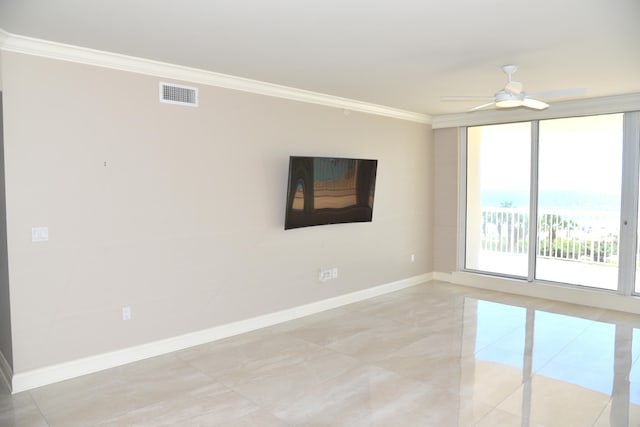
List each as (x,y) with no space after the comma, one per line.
(40,234)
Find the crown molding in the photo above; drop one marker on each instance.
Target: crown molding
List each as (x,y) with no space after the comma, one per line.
(64,52)
(575,108)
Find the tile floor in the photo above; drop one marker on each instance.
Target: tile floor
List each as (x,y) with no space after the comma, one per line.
(432,355)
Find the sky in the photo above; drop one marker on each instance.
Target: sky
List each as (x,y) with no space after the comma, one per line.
(577,154)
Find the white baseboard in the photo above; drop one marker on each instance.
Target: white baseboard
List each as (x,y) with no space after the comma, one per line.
(442,277)
(51,374)
(6,373)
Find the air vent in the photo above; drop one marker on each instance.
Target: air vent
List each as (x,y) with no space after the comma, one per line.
(182,95)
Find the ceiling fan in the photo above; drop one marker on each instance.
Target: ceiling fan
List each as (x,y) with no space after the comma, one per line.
(513,95)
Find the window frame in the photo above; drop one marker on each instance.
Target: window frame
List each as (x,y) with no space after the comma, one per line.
(630,193)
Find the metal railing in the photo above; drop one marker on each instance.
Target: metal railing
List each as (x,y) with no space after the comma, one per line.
(586,236)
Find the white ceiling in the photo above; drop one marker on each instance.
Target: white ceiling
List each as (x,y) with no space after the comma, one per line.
(404,54)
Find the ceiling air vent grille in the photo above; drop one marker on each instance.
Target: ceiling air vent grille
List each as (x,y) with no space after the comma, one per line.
(175,94)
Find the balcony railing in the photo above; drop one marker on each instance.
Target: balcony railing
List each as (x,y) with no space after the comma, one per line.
(586,236)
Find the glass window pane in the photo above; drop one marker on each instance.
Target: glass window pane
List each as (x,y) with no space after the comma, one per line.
(497,200)
(579,187)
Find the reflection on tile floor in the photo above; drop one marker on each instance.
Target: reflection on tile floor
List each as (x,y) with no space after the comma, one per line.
(432,355)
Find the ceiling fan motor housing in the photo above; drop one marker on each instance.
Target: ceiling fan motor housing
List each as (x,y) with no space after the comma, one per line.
(507,99)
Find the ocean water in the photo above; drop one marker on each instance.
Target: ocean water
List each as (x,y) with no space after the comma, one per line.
(562,200)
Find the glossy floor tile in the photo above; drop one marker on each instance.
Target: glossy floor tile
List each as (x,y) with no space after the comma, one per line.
(432,355)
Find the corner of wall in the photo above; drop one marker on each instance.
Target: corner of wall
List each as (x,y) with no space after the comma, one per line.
(6,343)
(6,373)
(442,277)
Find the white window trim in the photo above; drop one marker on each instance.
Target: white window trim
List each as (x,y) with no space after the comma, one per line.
(630,193)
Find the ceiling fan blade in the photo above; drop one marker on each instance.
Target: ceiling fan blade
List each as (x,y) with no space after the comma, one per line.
(513,95)
(465,98)
(559,93)
(534,104)
(480,107)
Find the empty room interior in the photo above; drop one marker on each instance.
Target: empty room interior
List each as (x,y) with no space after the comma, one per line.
(319,213)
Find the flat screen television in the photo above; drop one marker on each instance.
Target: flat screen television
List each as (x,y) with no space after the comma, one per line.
(329,190)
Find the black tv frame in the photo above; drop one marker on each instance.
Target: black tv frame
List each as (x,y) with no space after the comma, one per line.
(301,172)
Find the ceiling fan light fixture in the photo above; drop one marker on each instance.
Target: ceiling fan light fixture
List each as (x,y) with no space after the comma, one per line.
(513,95)
(506,99)
(509,103)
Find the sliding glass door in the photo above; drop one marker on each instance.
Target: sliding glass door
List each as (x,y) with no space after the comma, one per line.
(498,183)
(553,215)
(579,188)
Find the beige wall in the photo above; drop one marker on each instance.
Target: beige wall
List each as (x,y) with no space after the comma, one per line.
(445,143)
(185,222)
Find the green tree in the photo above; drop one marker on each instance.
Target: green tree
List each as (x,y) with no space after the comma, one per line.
(509,225)
(551,223)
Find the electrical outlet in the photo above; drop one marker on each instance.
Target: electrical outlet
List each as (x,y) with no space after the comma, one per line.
(325,274)
(413,257)
(126,313)
(328,274)
(39,234)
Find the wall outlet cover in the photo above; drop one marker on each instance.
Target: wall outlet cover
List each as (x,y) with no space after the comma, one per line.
(39,234)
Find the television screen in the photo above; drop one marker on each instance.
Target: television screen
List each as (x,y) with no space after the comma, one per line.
(324,190)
